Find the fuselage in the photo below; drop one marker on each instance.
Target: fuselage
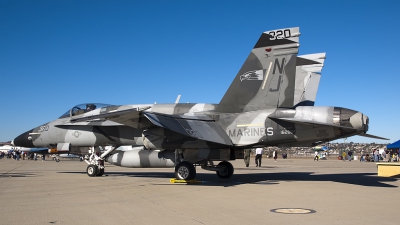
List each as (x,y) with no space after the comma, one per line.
(247,129)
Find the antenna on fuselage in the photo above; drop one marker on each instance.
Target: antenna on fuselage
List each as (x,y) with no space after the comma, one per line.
(177,99)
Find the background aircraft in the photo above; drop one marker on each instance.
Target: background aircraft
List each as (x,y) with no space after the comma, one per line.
(6,148)
(260,108)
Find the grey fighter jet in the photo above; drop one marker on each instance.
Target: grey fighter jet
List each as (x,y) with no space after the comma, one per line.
(264,106)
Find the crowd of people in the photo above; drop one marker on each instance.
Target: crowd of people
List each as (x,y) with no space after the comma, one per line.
(13,154)
(20,155)
(385,155)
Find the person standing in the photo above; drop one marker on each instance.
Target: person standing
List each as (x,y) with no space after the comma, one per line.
(18,154)
(247,157)
(384,156)
(376,155)
(350,154)
(275,155)
(316,155)
(344,155)
(258,156)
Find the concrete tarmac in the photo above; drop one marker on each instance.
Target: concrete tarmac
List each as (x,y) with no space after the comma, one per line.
(291,191)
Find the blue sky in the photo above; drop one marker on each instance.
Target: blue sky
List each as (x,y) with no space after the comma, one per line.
(57,54)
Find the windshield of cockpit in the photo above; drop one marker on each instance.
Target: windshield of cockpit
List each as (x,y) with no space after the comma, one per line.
(82,108)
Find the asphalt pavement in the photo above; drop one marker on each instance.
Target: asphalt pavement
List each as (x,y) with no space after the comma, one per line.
(290,191)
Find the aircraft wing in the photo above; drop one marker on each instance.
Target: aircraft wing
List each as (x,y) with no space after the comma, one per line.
(199,127)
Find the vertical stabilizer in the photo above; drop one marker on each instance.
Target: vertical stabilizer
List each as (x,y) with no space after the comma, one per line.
(308,75)
(267,77)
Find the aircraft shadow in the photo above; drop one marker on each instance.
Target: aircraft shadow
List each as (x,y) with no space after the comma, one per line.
(361,179)
(8,175)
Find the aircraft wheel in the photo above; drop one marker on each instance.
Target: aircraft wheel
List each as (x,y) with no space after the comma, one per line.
(227,170)
(185,171)
(57,160)
(91,170)
(100,172)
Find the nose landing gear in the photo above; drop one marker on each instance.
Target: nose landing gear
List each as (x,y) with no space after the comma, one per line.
(95,163)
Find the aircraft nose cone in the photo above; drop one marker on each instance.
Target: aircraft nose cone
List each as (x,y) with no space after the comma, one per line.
(23,140)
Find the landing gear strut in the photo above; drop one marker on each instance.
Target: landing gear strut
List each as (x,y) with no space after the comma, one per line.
(96,163)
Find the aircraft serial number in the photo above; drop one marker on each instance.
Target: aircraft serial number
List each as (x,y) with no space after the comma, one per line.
(279,34)
(286,132)
(43,128)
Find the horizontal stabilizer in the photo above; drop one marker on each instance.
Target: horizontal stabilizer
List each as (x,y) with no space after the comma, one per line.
(201,128)
(310,123)
(372,136)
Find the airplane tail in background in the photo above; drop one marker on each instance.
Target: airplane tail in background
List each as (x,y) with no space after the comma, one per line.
(267,77)
(308,75)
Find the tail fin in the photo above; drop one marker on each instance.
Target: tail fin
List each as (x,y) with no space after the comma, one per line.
(267,77)
(308,74)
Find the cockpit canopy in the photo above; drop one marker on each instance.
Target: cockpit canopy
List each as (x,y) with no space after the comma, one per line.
(82,108)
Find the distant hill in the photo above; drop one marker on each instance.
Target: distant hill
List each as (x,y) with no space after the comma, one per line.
(5,143)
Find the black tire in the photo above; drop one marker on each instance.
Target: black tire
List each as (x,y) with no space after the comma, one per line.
(91,170)
(227,170)
(100,172)
(185,171)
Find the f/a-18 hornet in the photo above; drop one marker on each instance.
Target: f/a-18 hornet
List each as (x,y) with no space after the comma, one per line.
(262,107)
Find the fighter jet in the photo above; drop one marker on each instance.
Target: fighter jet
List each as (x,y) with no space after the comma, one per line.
(260,108)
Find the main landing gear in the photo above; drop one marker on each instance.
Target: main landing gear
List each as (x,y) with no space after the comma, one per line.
(96,163)
(55,158)
(186,170)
